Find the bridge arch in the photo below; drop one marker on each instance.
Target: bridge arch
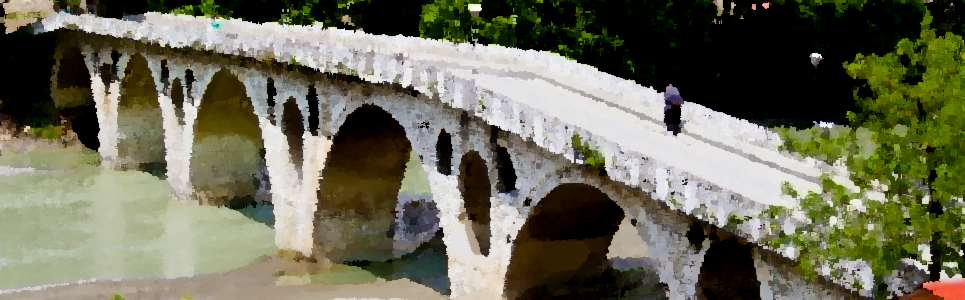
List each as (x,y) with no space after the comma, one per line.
(73,95)
(293,129)
(475,187)
(359,189)
(728,271)
(140,127)
(444,153)
(563,242)
(178,98)
(225,155)
(505,170)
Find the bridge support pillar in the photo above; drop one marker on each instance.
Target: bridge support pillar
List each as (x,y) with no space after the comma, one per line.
(109,133)
(678,257)
(471,275)
(302,223)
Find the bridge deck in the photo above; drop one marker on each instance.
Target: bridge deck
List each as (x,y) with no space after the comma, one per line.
(752,171)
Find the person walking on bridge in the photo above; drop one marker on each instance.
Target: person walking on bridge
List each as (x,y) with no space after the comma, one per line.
(672,109)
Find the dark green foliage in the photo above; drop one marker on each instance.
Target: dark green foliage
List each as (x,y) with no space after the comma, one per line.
(908,135)
(26,93)
(592,156)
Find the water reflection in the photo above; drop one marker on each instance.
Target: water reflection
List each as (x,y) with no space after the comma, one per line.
(88,222)
(427,265)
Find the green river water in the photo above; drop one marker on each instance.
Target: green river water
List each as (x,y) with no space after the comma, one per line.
(83,222)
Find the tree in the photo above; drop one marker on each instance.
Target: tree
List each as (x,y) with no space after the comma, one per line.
(908,138)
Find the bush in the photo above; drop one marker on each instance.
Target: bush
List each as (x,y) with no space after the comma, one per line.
(49,132)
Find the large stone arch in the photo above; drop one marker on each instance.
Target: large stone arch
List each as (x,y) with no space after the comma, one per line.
(359,189)
(475,189)
(728,271)
(140,126)
(675,256)
(225,156)
(564,242)
(73,95)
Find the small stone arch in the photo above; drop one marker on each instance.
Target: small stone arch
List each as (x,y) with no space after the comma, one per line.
(505,170)
(178,98)
(225,155)
(475,189)
(293,129)
(360,186)
(140,127)
(563,243)
(444,153)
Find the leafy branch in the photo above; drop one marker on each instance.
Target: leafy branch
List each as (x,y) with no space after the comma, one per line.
(593,158)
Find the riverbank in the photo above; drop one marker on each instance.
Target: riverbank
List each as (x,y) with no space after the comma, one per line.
(263,279)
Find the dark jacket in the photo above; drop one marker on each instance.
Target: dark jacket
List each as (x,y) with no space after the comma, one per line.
(672,115)
(672,112)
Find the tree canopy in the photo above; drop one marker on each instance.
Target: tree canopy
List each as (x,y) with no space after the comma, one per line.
(907,137)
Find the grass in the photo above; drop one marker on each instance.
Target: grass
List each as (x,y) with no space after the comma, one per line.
(118,296)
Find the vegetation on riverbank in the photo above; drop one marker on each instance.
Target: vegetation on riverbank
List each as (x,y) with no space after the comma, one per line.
(908,137)
(118,296)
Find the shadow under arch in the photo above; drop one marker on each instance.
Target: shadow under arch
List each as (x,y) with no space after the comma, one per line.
(74,97)
(728,271)
(562,247)
(292,128)
(357,197)
(225,156)
(444,153)
(474,185)
(140,144)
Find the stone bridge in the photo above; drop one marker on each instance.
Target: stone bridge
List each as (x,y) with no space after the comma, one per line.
(336,114)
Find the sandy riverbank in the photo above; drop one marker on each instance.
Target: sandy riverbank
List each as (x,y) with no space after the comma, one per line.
(256,281)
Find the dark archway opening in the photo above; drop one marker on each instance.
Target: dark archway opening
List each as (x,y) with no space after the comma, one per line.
(561,250)
(444,153)
(360,186)
(505,170)
(291,125)
(314,108)
(75,99)
(271,101)
(189,86)
(177,98)
(728,271)
(140,144)
(225,158)
(476,192)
